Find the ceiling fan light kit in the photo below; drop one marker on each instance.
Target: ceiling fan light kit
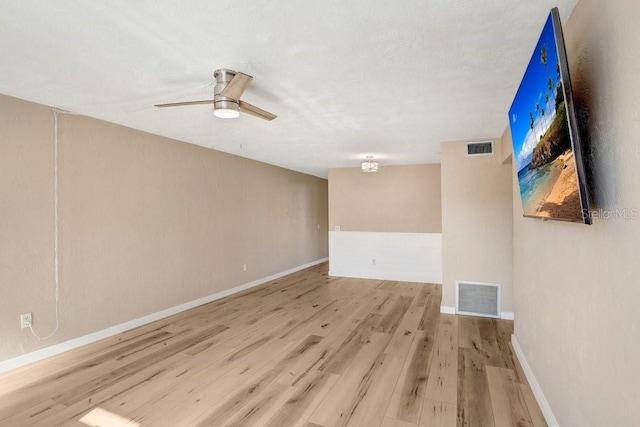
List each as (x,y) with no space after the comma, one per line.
(230,85)
(226,109)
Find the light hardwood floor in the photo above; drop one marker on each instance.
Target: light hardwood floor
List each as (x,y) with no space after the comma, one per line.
(307,350)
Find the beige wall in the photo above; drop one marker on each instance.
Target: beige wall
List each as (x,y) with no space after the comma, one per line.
(394,199)
(146,223)
(506,147)
(477,230)
(577,287)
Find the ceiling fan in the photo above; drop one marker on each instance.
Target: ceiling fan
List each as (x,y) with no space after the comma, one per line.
(229,87)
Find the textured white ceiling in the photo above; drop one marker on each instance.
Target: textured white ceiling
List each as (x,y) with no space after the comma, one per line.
(346,78)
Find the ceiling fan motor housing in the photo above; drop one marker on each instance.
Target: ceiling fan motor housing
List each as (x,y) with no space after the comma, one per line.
(223,77)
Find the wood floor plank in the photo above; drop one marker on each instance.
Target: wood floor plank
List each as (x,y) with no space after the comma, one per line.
(468,333)
(79,392)
(223,371)
(386,300)
(438,414)
(390,322)
(404,335)
(442,385)
(346,395)
(377,395)
(336,350)
(193,399)
(406,401)
(335,319)
(338,361)
(305,401)
(491,343)
(390,422)
(409,393)
(474,401)
(309,321)
(67,379)
(431,314)
(509,407)
(426,290)
(140,392)
(137,389)
(240,397)
(495,341)
(279,324)
(40,412)
(262,407)
(535,414)
(387,285)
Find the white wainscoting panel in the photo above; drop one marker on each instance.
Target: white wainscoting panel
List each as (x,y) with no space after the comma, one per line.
(407,257)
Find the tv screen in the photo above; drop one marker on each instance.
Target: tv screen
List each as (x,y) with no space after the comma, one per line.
(544,131)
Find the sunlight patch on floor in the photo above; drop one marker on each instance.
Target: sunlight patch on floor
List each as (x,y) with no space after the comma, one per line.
(101,418)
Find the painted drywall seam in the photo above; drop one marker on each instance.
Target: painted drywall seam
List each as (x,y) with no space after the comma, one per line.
(56,349)
(535,387)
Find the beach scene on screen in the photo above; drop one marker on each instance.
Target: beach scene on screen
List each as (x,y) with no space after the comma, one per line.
(542,148)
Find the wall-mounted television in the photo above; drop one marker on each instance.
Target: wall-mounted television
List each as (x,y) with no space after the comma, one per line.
(545,134)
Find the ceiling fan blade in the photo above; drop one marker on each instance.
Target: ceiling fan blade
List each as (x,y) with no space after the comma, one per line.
(236,86)
(180,104)
(255,111)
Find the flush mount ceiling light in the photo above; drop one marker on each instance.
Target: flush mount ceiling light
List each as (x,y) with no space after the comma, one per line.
(369,165)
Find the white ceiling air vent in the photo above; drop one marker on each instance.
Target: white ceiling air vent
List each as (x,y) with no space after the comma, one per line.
(480,148)
(478,299)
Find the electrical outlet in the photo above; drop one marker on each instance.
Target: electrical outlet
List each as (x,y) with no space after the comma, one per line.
(373,261)
(25,320)
(244,267)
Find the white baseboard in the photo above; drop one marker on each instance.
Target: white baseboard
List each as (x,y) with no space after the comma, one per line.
(53,350)
(445,309)
(535,387)
(507,315)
